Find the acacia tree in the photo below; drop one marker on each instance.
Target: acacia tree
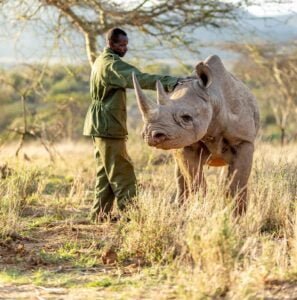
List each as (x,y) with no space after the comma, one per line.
(28,84)
(277,73)
(92,18)
(285,74)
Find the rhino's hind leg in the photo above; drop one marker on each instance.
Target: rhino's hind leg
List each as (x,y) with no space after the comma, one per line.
(238,174)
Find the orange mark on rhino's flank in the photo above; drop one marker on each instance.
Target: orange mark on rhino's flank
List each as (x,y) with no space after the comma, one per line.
(216,162)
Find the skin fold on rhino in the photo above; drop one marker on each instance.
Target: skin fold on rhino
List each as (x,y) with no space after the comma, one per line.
(211,119)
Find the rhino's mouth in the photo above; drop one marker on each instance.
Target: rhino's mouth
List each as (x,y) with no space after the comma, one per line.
(162,141)
(170,144)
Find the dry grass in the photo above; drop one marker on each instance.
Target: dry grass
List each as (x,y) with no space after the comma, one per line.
(198,251)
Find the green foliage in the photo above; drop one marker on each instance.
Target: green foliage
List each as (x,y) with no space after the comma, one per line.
(68,85)
(57,185)
(104,282)
(59,107)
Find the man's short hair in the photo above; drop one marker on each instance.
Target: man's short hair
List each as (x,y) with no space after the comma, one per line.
(114,33)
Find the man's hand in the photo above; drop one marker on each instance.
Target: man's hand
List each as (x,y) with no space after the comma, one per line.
(182,80)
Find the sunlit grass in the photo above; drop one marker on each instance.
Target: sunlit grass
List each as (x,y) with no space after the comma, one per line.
(198,249)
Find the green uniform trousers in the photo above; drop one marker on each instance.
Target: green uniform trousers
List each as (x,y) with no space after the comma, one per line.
(115,177)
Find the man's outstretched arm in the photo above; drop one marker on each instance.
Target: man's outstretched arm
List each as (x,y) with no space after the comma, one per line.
(120,75)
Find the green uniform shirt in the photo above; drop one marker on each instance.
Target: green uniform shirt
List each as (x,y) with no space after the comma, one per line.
(110,76)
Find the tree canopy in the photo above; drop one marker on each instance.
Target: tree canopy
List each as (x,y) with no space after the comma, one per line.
(92,18)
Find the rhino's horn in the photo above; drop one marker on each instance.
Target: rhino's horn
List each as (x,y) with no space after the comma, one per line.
(144,104)
(162,97)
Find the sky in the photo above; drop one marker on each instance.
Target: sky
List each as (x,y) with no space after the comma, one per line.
(269,7)
(31,48)
(282,7)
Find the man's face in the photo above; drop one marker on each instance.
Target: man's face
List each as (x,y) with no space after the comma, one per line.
(120,47)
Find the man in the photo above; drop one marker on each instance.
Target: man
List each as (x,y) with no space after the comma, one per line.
(106,123)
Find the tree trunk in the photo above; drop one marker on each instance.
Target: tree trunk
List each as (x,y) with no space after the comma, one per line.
(23,100)
(283,136)
(91,49)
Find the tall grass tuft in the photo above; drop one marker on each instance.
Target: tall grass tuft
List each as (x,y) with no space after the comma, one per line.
(154,229)
(16,192)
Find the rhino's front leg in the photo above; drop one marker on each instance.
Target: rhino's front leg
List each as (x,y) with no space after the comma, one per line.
(182,191)
(238,174)
(189,170)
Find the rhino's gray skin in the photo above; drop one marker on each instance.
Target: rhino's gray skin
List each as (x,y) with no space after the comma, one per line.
(212,119)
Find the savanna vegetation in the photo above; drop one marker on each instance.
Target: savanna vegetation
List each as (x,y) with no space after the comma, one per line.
(197,251)
(48,247)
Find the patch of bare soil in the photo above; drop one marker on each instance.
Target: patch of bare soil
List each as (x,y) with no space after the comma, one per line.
(61,259)
(280,290)
(24,252)
(32,292)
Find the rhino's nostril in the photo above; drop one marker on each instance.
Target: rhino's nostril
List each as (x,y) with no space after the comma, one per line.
(158,135)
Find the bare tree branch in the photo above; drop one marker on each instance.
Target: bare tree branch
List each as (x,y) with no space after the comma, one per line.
(93,18)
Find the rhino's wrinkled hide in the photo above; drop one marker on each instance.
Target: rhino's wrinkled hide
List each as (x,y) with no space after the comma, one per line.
(210,119)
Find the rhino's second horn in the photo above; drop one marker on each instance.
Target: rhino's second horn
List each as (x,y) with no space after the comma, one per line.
(162,97)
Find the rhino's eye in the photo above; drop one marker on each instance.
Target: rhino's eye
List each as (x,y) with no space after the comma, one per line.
(186,118)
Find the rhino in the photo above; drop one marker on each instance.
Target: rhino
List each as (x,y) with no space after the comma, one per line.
(210,119)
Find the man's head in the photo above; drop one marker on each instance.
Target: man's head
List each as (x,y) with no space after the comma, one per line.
(117,41)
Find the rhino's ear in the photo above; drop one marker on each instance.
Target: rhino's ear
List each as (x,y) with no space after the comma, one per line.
(204,74)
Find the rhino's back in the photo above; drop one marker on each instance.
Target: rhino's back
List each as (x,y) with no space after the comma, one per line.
(242,111)
(237,106)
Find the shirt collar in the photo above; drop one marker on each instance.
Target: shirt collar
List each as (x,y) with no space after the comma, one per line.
(109,51)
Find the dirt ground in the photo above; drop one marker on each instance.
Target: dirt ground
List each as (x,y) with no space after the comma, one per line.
(23,257)
(35,268)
